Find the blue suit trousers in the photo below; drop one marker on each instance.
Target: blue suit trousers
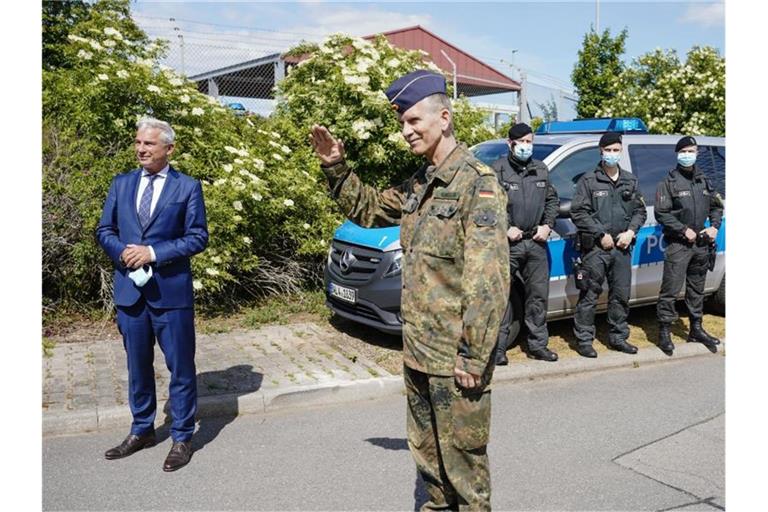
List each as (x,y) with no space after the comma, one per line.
(140,325)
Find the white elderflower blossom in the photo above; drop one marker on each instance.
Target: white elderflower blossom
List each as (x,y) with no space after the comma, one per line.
(84,55)
(227,167)
(216,259)
(275,135)
(256,196)
(219,181)
(198,131)
(153,88)
(102,76)
(212,100)
(393,62)
(363,65)
(277,157)
(274,144)
(259,163)
(361,128)
(197,284)
(184,98)
(239,161)
(79,39)
(288,202)
(123,74)
(247,239)
(176,81)
(356,80)
(120,123)
(237,218)
(238,205)
(109,43)
(113,32)
(306,226)
(95,45)
(197,111)
(231,149)
(286,150)
(211,271)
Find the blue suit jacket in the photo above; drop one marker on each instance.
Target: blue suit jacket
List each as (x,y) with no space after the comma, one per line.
(176,231)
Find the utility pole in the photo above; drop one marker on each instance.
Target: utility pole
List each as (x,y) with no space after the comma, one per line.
(597,16)
(455,88)
(523,99)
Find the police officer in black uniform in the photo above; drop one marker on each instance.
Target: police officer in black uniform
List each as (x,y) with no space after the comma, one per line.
(684,201)
(531,209)
(608,210)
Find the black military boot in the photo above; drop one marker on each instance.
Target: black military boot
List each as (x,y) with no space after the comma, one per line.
(542,354)
(697,334)
(501,357)
(665,339)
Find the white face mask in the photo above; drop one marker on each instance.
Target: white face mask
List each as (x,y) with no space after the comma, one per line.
(140,277)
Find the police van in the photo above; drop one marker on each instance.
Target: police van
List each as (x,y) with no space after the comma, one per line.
(362,274)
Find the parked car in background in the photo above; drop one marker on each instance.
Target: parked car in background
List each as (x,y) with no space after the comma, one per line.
(362,274)
(237,108)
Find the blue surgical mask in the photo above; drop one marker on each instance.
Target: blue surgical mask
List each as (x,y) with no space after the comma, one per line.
(140,277)
(523,151)
(611,159)
(686,159)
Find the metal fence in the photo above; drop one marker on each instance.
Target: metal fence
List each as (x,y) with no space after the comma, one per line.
(241,66)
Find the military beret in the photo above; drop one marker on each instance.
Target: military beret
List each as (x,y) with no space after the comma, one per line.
(408,90)
(685,142)
(609,138)
(519,130)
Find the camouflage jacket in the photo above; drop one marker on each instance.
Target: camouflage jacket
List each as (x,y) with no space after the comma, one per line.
(455,272)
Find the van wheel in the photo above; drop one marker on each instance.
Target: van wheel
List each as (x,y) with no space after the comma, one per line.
(717,301)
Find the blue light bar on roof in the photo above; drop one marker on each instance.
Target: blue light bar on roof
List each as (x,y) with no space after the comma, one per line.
(597,125)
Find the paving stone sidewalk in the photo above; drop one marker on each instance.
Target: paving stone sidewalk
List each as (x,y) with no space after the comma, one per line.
(85,384)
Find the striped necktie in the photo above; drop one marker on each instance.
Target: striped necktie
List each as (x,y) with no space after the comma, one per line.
(146,201)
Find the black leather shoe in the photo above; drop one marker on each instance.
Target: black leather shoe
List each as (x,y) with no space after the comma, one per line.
(623,346)
(586,351)
(179,456)
(131,445)
(501,358)
(542,354)
(665,339)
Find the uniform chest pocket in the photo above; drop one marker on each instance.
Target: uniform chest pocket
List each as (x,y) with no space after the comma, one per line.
(682,198)
(439,232)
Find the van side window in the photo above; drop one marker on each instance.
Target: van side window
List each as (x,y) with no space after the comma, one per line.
(566,174)
(651,163)
(711,161)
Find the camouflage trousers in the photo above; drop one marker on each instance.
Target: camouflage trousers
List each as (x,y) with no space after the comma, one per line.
(448,430)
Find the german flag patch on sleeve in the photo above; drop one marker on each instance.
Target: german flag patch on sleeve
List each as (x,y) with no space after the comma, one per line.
(485,193)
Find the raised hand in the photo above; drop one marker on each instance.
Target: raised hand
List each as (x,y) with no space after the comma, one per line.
(329,150)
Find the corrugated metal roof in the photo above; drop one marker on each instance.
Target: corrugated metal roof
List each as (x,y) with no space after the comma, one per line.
(469,70)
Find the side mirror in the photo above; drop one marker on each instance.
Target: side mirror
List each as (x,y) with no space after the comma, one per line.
(564,210)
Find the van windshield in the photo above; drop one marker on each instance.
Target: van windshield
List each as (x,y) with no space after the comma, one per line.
(488,152)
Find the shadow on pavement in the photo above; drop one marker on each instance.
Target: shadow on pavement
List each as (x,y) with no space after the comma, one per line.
(228,384)
(420,496)
(389,443)
(366,334)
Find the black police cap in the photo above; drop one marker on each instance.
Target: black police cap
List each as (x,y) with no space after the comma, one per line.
(519,130)
(609,138)
(685,142)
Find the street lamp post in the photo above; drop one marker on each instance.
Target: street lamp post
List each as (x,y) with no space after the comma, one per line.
(180,36)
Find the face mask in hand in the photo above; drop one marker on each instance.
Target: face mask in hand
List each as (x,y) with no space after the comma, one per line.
(686,159)
(140,277)
(523,151)
(611,159)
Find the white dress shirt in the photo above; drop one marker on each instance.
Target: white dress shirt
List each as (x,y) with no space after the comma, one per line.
(157,188)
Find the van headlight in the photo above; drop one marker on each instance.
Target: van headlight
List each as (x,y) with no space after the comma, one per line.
(396,266)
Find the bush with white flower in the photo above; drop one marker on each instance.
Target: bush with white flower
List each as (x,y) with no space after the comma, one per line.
(269,213)
(672,96)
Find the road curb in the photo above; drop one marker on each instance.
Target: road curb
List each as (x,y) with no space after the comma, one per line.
(294,397)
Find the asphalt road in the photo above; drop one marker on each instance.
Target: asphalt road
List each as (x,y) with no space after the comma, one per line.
(649,438)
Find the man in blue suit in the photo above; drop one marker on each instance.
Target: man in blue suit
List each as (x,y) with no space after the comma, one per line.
(153,222)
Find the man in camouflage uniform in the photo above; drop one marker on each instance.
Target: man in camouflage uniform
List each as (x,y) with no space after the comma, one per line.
(684,201)
(455,277)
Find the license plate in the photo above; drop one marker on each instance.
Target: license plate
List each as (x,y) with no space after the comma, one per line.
(343,293)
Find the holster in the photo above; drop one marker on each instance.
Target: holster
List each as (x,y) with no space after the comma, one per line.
(585,242)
